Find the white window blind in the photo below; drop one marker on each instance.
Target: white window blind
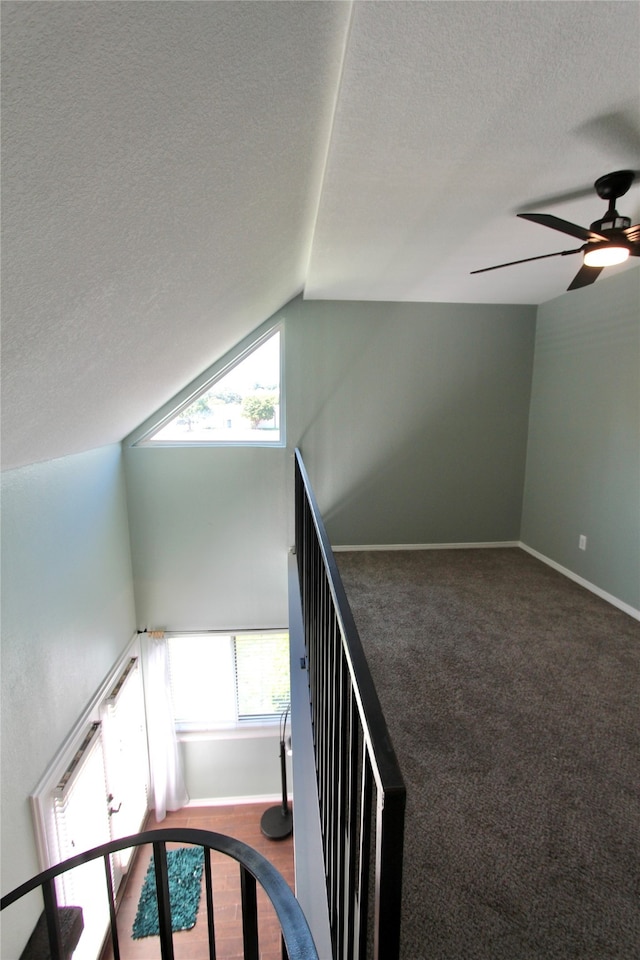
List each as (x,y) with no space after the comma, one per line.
(222,680)
(101,766)
(125,743)
(81,820)
(262,675)
(201,672)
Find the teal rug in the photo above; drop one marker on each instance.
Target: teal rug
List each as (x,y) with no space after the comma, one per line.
(184,867)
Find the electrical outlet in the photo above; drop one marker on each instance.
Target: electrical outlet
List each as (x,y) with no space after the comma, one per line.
(582,542)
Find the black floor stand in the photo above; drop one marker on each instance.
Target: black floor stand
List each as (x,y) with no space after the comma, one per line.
(277,822)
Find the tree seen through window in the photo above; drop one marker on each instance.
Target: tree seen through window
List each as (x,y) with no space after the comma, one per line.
(240,406)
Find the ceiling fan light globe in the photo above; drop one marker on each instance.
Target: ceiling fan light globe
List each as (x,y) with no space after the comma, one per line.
(605,255)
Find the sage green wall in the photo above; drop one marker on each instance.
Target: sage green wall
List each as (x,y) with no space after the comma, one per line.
(247,766)
(583,461)
(67,614)
(209,536)
(413,422)
(412,419)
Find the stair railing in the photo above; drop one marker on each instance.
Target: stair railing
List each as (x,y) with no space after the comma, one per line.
(361,793)
(297,942)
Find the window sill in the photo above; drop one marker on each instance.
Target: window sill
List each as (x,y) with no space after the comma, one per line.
(247,731)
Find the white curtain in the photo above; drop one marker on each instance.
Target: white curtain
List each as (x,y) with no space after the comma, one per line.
(168,791)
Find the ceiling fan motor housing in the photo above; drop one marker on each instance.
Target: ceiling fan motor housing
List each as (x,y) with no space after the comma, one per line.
(612,221)
(610,187)
(614,185)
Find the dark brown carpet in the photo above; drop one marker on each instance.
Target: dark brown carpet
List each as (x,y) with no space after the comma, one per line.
(512,696)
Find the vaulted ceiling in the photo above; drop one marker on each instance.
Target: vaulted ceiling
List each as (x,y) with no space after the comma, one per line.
(174,172)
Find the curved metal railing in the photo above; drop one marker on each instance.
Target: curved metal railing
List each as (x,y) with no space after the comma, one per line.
(297,942)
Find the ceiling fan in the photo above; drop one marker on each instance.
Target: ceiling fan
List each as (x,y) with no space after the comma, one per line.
(608,241)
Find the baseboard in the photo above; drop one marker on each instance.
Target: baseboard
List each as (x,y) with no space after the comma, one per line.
(425,546)
(233,801)
(614,601)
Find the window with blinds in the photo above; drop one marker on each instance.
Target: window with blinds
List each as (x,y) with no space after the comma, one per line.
(126,759)
(95,790)
(81,821)
(261,675)
(226,680)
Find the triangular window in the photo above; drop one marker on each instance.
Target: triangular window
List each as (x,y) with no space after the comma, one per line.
(241,404)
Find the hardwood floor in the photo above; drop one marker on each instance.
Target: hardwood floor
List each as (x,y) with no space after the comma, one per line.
(243,822)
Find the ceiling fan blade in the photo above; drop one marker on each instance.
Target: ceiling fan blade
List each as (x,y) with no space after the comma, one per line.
(632,233)
(585,276)
(554,199)
(544,256)
(620,127)
(548,220)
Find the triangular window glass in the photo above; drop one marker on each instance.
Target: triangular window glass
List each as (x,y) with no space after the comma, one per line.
(241,405)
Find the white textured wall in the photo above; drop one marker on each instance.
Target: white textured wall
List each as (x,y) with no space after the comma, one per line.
(67,614)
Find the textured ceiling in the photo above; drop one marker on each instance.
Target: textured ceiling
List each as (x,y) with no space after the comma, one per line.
(174,172)
(452,117)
